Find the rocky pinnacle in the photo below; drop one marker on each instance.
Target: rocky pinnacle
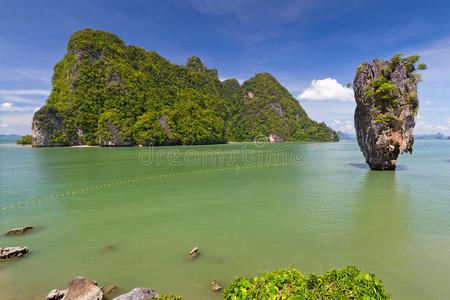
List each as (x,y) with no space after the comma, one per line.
(386,105)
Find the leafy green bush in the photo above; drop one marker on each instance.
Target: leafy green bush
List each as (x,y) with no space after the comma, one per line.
(422,67)
(25,140)
(345,283)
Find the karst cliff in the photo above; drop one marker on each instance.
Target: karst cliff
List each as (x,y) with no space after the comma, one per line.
(112,94)
(386,105)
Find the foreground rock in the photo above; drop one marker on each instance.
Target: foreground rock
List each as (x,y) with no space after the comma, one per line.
(82,288)
(194,252)
(386,104)
(21,230)
(215,286)
(138,294)
(56,295)
(13,252)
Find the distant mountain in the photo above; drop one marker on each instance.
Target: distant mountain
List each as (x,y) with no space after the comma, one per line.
(346,136)
(437,136)
(10,137)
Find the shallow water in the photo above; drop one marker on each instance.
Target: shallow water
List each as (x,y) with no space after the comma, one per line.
(249,208)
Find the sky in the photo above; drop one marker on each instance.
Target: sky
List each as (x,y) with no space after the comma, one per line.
(312,47)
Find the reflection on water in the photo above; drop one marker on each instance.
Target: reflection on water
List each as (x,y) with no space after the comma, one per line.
(366,167)
(381,225)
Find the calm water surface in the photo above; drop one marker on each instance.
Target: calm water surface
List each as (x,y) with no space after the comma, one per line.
(248,212)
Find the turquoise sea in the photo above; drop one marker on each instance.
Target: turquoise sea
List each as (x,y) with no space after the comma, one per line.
(129,216)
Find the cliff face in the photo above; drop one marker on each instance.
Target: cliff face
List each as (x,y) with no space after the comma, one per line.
(112,94)
(386,105)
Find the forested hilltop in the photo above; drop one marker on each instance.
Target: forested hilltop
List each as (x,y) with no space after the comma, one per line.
(110,94)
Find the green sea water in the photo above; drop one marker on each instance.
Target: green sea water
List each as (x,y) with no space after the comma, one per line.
(249,208)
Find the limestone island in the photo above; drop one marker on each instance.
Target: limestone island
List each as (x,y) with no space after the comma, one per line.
(108,93)
(386,105)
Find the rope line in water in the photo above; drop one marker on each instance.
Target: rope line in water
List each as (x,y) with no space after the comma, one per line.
(125,181)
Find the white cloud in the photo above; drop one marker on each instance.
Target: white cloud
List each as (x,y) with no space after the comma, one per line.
(5,106)
(35,75)
(326,89)
(17,96)
(9,107)
(424,127)
(16,119)
(343,125)
(16,123)
(17,99)
(25,92)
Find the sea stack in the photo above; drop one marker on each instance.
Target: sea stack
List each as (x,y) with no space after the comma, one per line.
(386,105)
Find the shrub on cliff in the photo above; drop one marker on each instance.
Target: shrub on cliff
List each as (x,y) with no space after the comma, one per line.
(345,283)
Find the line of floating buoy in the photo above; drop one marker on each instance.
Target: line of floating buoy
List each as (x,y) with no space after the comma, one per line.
(137,179)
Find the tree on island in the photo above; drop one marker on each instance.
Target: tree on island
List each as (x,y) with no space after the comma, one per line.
(25,140)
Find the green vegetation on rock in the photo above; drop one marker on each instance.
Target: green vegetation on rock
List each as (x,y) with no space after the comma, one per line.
(25,140)
(422,67)
(345,283)
(107,93)
(385,94)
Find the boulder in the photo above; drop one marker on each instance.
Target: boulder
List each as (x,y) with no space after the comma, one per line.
(108,248)
(20,230)
(194,252)
(82,288)
(138,294)
(56,294)
(13,252)
(215,286)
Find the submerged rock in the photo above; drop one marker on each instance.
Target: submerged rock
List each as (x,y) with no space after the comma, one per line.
(194,252)
(82,288)
(13,252)
(386,104)
(215,286)
(56,295)
(108,289)
(108,248)
(21,230)
(138,294)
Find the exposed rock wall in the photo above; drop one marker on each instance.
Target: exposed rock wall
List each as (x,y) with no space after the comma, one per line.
(386,104)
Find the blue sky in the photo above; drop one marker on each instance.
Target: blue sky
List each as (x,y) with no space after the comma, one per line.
(311,47)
